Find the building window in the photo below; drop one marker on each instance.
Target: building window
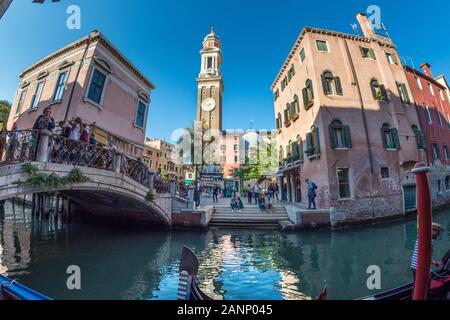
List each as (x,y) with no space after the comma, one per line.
(22,96)
(286,116)
(438,115)
(385,174)
(403,92)
(446,154)
(313,143)
(96,86)
(236,147)
(419,83)
(291,73)
(442,95)
(428,115)
(378,91)
(308,95)
(276,95)
(281,154)
(299,144)
(436,153)
(302,55)
(235,159)
(322,46)
(447,182)
(431,89)
(343,175)
(420,138)
(59,90)
(340,137)
(367,53)
(284,83)
(331,84)
(37,95)
(447,117)
(294,109)
(279,122)
(390,137)
(140,114)
(391,58)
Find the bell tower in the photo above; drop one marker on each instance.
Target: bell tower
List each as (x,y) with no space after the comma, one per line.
(210,83)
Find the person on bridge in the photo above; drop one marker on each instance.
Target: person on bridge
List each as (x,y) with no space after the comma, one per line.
(45,121)
(76,129)
(249,194)
(216,194)
(437,230)
(256,193)
(3,141)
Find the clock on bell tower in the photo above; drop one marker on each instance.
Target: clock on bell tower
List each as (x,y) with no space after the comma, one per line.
(210,83)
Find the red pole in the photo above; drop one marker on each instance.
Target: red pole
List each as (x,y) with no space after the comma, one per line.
(425,226)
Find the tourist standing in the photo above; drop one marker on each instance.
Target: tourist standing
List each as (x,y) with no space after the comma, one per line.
(45,121)
(216,194)
(84,136)
(256,193)
(312,194)
(277,191)
(76,130)
(13,143)
(3,141)
(271,191)
(92,140)
(249,194)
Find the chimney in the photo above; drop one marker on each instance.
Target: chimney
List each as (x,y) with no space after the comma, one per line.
(426,67)
(366,27)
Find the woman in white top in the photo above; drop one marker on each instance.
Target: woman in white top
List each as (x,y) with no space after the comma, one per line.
(76,128)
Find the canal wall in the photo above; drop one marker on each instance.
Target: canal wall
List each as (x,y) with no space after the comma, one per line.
(190,218)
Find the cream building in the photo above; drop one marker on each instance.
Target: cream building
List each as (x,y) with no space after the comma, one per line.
(344,118)
(158,157)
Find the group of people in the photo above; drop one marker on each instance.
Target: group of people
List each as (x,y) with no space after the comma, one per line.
(262,197)
(236,203)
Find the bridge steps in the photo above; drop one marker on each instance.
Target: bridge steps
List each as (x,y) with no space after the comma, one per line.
(250,218)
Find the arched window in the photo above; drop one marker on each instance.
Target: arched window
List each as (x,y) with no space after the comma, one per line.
(286,115)
(279,121)
(390,137)
(308,95)
(299,147)
(289,149)
(378,91)
(297,106)
(313,143)
(420,137)
(331,84)
(340,137)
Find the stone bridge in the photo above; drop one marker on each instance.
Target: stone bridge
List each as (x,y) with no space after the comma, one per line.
(113,185)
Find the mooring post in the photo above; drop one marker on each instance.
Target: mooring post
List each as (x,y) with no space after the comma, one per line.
(424,209)
(43,147)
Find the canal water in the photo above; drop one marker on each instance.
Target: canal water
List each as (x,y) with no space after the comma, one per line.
(123,262)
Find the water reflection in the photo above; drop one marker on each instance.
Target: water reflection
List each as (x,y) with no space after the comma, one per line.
(132,263)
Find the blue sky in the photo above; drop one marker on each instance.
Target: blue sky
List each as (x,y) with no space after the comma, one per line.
(163,39)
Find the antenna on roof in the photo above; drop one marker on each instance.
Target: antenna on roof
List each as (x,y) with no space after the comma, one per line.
(383,26)
(355,27)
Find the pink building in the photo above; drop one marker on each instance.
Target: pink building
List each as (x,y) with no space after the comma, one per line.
(345,120)
(90,79)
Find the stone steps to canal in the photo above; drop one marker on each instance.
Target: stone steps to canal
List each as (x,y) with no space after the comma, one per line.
(251,218)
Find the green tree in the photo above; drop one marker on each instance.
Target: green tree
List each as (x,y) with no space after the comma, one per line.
(5,107)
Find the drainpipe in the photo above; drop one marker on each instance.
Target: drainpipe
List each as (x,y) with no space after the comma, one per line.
(88,43)
(425,235)
(363,113)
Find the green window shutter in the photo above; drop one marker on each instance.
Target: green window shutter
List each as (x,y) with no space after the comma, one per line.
(333,143)
(305,96)
(309,144)
(383,137)
(325,85)
(316,141)
(337,82)
(396,139)
(406,93)
(302,155)
(384,93)
(362,52)
(372,87)
(422,141)
(347,137)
